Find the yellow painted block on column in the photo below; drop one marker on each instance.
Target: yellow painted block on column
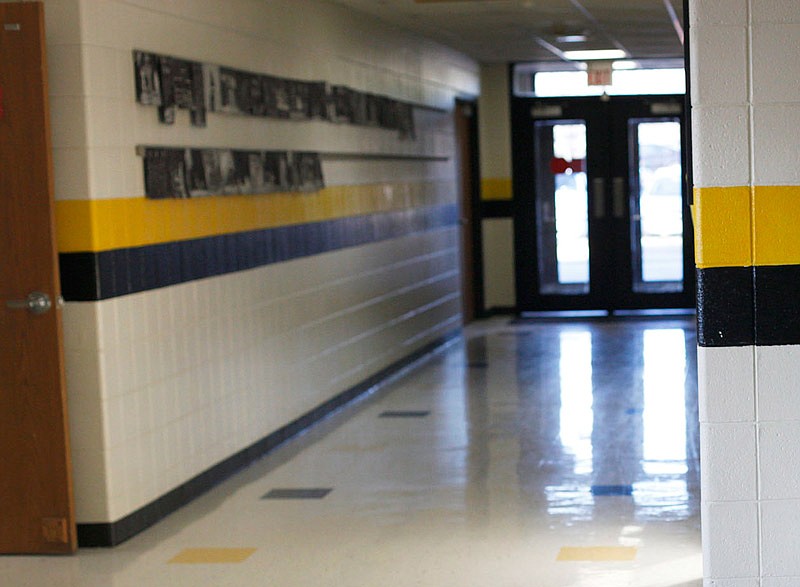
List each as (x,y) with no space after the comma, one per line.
(723,236)
(776,234)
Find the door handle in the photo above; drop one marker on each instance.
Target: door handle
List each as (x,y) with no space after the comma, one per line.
(618,193)
(599,189)
(36,303)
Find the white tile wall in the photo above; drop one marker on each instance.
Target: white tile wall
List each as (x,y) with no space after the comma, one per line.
(71,173)
(203,369)
(495,121)
(778,382)
(774,48)
(772,11)
(62,22)
(753,582)
(780,521)
(730,540)
(62,58)
(726,375)
(166,383)
(724,158)
(85,380)
(320,42)
(773,124)
(68,116)
(722,12)
(780,581)
(728,460)
(779,459)
(741,389)
(66,88)
(498,252)
(437,174)
(724,51)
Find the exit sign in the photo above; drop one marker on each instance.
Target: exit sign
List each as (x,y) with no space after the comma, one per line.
(599,72)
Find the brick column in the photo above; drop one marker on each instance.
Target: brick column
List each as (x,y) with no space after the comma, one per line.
(745,58)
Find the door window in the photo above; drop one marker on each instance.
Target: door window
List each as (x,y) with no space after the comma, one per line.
(562,202)
(656,206)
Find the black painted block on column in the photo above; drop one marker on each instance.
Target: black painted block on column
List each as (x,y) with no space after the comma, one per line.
(725,307)
(777,303)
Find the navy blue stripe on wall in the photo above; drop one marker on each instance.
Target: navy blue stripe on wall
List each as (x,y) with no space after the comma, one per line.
(97,276)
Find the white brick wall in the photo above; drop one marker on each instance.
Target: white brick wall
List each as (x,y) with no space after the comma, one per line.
(164,384)
(745,101)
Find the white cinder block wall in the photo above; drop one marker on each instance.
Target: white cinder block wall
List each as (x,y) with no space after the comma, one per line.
(495,149)
(165,383)
(746,119)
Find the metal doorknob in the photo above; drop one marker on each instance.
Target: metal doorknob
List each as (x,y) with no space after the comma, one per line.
(36,303)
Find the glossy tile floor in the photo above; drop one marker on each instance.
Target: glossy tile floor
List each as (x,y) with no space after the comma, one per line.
(530,454)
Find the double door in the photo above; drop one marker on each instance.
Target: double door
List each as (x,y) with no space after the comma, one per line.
(601,204)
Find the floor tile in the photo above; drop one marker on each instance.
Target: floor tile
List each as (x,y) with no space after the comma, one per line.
(193,556)
(520,461)
(596,553)
(298,493)
(404,414)
(612,490)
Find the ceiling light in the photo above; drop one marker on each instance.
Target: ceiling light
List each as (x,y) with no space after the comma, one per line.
(597,54)
(572,38)
(625,64)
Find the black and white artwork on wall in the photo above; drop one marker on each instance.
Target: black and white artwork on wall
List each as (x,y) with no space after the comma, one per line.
(171,84)
(148,79)
(177,89)
(191,173)
(165,173)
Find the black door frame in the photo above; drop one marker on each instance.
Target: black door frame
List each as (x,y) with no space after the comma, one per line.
(596,111)
(469,205)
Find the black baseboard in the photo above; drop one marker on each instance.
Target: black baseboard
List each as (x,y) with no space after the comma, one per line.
(114,533)
(498,311)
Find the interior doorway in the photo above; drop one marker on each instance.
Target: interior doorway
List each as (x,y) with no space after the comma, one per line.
(601,213)
(468,173)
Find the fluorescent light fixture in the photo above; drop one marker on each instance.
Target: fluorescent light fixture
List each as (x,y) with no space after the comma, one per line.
(572,38)
(597,54)
(625,64)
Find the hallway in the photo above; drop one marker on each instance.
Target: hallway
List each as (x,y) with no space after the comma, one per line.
(537,454)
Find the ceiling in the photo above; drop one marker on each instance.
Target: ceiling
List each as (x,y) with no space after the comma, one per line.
(501,31)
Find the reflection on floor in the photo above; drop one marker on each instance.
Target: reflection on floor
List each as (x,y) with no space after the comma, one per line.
(541,454)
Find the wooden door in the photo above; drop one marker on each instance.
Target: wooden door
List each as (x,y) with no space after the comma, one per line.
(36,503)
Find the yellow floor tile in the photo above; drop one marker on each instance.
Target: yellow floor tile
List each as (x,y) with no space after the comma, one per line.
(213,555)
(597,553)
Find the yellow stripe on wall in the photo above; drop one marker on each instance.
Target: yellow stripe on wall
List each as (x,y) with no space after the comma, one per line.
(101,225)
(496,188)
(743,226)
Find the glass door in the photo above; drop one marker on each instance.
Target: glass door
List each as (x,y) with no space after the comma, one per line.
(562,213)
(656,205)
(601,220)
